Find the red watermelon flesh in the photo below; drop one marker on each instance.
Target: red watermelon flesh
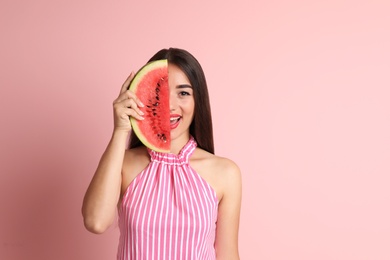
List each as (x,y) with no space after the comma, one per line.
(150,85)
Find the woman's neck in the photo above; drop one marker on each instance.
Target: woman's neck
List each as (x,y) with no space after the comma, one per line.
(178,143)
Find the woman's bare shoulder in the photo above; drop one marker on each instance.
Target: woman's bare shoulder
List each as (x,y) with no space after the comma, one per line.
(134,161)
(138,152)
(136,158)
(221,164)
(221,173)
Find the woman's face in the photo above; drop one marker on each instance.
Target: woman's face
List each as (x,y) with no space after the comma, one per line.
(181,101)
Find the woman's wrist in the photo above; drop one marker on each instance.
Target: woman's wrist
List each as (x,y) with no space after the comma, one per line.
(120,132)
(119,136)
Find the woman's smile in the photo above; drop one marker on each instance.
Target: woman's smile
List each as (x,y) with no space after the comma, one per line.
(175,120)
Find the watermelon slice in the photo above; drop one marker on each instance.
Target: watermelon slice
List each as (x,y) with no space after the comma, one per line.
(150,85)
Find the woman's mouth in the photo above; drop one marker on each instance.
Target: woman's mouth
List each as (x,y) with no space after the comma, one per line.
(174,121)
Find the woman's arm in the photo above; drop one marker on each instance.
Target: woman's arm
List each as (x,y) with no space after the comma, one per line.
(102,196)
(226,243)
(103,193)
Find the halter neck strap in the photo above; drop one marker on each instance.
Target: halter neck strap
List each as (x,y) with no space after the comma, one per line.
(170,158)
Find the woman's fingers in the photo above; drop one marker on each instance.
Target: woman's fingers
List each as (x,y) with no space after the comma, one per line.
(126,84)
(129,95)
(132,113)
(131,104)
(127,105)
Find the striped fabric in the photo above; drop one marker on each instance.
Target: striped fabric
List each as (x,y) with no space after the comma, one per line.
(168,212)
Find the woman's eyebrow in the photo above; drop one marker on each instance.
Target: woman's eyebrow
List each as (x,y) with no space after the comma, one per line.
(184,86)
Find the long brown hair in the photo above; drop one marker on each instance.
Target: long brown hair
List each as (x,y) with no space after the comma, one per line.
(201,127)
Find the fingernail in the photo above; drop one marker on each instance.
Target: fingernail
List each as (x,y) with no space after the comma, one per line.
(141,104)
(141,113)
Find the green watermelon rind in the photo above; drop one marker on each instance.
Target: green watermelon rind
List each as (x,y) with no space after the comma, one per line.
(133,87)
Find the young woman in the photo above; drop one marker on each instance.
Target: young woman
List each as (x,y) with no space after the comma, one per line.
(179,205)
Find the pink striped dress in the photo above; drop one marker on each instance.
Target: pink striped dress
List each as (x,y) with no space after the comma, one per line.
(168,212)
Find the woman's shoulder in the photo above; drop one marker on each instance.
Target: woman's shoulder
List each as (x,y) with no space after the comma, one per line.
(137,152)
(220,163)
(136,158)
(222,173)
(134,161)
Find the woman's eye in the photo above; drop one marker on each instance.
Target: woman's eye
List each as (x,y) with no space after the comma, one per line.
(184,93)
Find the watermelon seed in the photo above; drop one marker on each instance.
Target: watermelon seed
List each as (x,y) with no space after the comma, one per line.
(162,137)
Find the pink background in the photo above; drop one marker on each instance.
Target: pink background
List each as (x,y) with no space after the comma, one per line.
(300,95)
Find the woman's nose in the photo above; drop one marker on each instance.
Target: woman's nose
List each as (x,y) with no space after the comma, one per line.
(172,102)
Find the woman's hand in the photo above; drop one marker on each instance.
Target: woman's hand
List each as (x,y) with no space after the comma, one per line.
(127,104)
